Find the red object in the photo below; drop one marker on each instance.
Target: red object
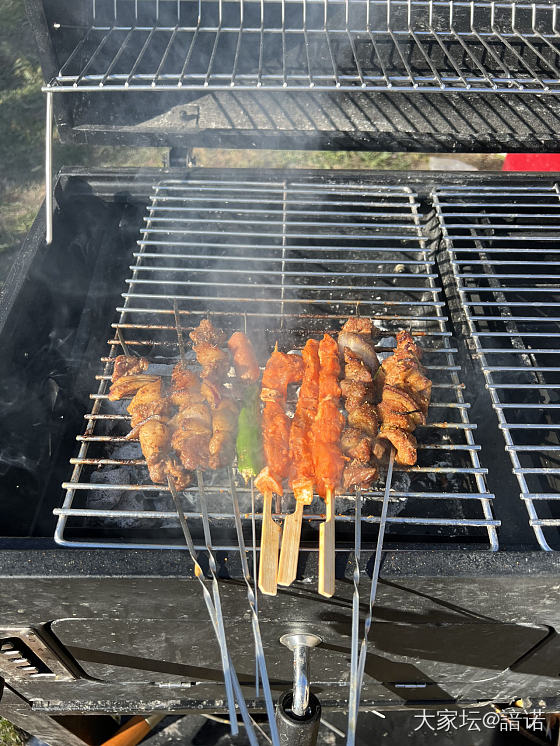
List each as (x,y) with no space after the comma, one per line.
(532,162)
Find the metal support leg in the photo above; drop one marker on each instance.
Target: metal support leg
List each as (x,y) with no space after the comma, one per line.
(49,169)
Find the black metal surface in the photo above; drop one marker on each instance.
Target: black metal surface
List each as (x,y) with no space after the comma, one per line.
(450,626)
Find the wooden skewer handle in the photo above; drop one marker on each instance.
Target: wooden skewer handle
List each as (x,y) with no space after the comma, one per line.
(289,553)
(327,550)
(270,545)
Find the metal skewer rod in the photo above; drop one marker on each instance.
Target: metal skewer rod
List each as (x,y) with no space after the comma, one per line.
(180,341)
(354,703)
(215,589)
(220,634)
(123,344)
(261,662)
(356,598)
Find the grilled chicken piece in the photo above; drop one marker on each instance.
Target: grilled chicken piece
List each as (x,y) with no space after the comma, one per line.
(147,402)
(244,359)
(364,418)
(280,371)
(355,369)
(214,361)
(404,443)
(183,378)
(213,393)
(192,431)
(358,474)
(355,393)
(224,429)
(359,325)
(154,439)
(126,387)
(208,333)
(356,444)
(128,365)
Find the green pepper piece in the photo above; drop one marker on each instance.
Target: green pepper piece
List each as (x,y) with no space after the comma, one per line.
(250,456)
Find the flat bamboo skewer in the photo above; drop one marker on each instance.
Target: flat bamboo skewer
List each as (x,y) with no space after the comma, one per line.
(287,568)
(270,546)
(327,548)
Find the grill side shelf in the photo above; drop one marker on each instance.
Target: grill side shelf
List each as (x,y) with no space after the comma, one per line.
(305,45)
(502,255)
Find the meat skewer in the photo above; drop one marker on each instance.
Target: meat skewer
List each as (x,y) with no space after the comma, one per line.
(405,398)
(328,460)
(302,478)
(361,365)
(280,371)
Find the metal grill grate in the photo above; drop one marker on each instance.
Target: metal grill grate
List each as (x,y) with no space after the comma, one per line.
(503,247)
(321,45)
(281,260)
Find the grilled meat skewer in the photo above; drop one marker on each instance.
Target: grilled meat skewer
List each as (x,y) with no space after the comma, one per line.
(281,370)
(361,365)
(405,398)
(302,476)
(328,460)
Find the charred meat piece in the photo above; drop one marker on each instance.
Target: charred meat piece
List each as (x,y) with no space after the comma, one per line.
(126,386)
(361,346)
(208,333)
(364,418)
(280,371)
(358,474)
(405,398)
(224,430)
(128,365)
(192,431)
(148,401)
(404,443)
(154,439)
(355,369)
(214,361)
(184,378)
(356,444)
(244,359)
(355,393)
(359,325)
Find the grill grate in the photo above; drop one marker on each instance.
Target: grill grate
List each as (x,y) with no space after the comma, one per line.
(282,260)
(503,248)
(344,45)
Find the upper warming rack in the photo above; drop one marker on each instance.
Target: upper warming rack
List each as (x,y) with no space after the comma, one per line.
(320,45)
(503,247)
(282,260)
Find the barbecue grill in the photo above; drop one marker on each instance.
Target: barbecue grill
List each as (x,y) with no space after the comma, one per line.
(450,562)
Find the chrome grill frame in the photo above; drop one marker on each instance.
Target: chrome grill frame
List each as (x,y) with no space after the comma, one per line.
(395,239)
(339,45)
(477,225)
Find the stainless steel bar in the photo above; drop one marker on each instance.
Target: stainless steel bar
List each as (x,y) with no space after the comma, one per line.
(353,705)
(261,661)
(217,603)
(49,193)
